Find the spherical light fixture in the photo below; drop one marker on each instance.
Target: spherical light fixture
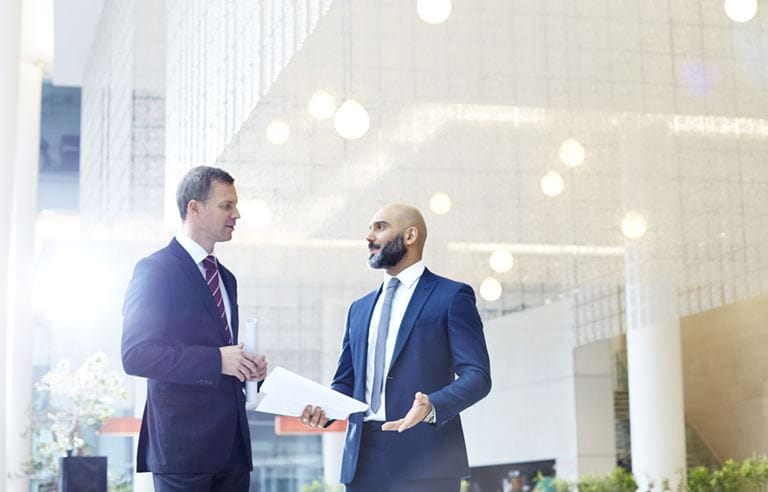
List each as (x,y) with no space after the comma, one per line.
(433,11)
(255,213)
(322,105)
(440,203)
(572,153)
(351,120)
(633,225)
(501,261)
(278,132)
(490,289)
(552,184)
(740,10)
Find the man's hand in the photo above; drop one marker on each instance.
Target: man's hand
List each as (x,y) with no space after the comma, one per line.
(421,407)
(314,418)
(261,367)
(244,366)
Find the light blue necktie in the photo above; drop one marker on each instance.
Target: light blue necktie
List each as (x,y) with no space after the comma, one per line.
(381,345)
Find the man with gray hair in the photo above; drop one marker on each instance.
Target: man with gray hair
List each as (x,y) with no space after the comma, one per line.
(180,331)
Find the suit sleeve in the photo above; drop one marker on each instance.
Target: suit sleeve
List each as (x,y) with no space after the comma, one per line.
(470,359)
(149,345)
(344,379)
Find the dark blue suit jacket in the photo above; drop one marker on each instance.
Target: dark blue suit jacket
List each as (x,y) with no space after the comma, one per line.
(171,336)
(440,337)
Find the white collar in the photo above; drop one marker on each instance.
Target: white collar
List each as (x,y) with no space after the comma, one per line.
(408,276)
(197,252)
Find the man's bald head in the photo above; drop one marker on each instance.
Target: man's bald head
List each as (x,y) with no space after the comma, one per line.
(404,216)
(397,237)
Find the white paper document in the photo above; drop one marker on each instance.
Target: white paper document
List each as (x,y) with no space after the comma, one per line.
(286,393)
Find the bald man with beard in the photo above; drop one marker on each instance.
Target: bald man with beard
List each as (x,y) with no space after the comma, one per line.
(414,350)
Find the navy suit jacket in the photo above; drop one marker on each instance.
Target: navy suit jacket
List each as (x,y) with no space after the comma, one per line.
(171,336)
(440,337)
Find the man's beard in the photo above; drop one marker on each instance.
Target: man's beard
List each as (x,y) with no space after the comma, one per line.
(390,255)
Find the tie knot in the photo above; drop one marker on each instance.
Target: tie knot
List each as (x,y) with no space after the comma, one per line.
(209,262)
(393,282)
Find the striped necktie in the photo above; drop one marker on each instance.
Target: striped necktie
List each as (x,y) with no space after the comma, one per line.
(212,279)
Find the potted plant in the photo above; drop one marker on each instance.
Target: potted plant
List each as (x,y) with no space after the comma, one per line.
(78,403)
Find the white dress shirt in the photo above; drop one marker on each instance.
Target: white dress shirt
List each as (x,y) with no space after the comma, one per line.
(198,254)
(409,279)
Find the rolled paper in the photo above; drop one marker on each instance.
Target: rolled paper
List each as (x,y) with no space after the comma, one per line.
(249,341)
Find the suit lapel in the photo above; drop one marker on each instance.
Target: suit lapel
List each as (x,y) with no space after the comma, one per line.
(362,324)
(424,288)
(195,278)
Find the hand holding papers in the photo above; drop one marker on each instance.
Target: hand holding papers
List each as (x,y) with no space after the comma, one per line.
(287,393)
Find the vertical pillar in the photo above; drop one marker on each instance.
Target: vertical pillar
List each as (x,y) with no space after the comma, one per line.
(654,361)
(333,450)
(10,28)
(22,264)
(654,356)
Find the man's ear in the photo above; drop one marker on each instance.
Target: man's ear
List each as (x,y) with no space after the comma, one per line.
(193,207)
(411,235)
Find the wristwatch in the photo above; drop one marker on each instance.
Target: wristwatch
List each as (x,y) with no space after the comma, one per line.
(430,418)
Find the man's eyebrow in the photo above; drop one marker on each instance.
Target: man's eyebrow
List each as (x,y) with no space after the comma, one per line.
(378,222)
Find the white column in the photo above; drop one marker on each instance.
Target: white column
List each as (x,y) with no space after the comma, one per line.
(333,450)
(10,28)
(654,361)
(657,420)
(21,301)
(654,357)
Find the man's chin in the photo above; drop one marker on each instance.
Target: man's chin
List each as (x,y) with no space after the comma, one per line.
(374,263)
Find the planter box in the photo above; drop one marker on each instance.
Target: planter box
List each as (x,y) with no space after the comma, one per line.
(84,474)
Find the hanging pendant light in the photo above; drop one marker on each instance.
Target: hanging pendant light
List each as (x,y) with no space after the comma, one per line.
(322,105)
(440,203)
(351,120)
(572,153)
(740,10)
(490,289)
(633,225)
(552,184)
(501,261)
(433,11)
(278,132)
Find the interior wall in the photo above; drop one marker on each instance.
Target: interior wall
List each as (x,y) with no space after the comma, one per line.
(548,400)
(724,368)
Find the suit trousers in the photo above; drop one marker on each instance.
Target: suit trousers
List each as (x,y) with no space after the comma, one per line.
(235,477)
(374,472)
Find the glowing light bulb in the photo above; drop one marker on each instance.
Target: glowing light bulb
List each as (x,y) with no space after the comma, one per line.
(572,153)
(740,10)
(440,203)
(490,289)
(552,184)
(633,225)
(501,261)
(278,132)
(322,105)
(433,11)
(351,120)
(255,213)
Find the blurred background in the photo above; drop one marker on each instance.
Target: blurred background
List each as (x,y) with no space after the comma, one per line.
(596,170)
